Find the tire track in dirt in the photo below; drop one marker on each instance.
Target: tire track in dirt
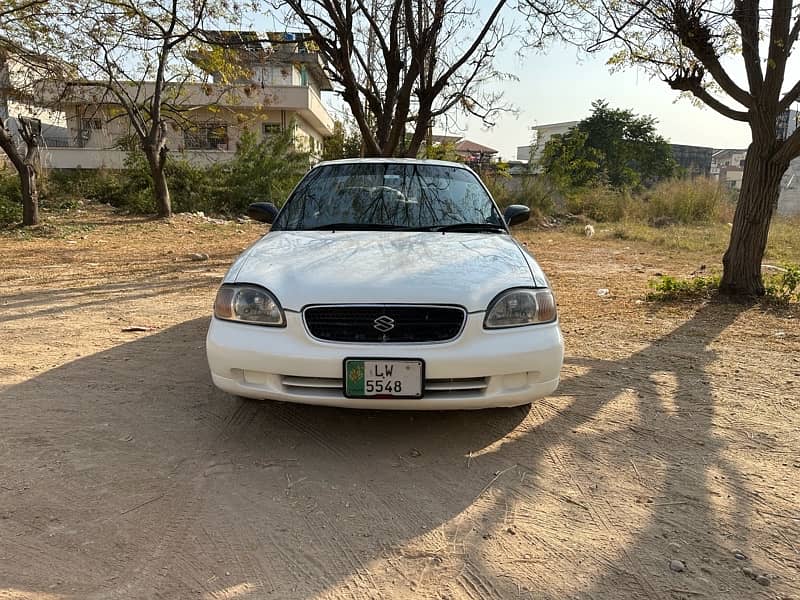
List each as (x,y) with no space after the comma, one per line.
(565,468)
(475,585)
(184,499)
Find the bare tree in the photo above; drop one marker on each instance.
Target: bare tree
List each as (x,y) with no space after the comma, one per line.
(400,64)
(135,52)
(22,68)
(27,165)
(732,56)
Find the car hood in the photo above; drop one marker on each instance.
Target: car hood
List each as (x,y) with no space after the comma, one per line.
(321,267)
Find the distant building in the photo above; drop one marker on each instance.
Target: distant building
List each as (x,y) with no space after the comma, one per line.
(786,123)
(542,134)
(696,160)
(789,200)
(727,166)
(474,153)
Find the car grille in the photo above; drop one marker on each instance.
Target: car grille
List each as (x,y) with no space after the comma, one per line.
(385,324)
(332,387)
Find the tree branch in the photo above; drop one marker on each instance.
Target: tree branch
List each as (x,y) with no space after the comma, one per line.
(691,80)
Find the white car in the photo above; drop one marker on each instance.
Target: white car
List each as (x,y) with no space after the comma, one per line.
(387,284)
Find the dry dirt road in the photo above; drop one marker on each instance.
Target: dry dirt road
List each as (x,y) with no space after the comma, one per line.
(124,474)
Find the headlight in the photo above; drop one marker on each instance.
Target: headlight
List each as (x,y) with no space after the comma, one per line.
(248,304)
(520,306)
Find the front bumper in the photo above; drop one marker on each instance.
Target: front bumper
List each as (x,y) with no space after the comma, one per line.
(479,369)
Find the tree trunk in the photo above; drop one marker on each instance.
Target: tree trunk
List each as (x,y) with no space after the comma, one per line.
(26,169)
(757,201)
(157,160)
(30,195)
(420,132)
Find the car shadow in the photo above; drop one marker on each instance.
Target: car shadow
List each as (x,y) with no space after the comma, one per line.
(126,474)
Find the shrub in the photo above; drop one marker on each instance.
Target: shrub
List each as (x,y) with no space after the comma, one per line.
(667,288)
(669,202)
(785,286)
(537,193)
(100,185)
(191,188)
(265,170)
(10,197)
(600,203)
(698,200)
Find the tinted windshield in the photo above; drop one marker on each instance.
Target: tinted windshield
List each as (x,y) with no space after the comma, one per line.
(388,196)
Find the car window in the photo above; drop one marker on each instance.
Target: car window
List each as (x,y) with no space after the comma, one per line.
(388,195)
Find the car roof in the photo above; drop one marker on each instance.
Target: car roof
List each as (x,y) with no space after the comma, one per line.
(397,161)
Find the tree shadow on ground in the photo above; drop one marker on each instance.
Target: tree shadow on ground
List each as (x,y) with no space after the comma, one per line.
(125,474)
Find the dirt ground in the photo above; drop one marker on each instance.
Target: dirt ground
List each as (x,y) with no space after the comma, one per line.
(674,436)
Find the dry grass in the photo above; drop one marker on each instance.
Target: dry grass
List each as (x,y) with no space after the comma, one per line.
(709,239)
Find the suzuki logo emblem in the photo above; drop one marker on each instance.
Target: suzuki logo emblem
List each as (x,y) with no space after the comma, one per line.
(383,323)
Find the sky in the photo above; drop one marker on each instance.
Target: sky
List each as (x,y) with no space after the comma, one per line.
(558,85)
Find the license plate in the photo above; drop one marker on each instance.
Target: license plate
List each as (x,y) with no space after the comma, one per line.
(378,378)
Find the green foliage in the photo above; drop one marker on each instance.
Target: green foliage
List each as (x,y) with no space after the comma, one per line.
(699,200)
(570,162)
(344,143)
(62,189)
(669,202)
(601,203)
(443,151)
(784,286)
(10,198)
(265,170)
(666,288)
(612,146)
(10,211)
(536,193)
(191,188)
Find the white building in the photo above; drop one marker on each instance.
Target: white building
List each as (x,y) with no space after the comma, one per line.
(542,134)
(282,88)
(727,166)
(17,80)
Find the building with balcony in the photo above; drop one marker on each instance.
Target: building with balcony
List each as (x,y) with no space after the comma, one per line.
(280,88)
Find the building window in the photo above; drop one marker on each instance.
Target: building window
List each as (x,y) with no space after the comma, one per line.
(211,136)
(271,129)
(87,124)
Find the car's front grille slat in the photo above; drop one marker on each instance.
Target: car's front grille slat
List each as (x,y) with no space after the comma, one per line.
(314,386)
(312,382)
(385,324)
(450,385)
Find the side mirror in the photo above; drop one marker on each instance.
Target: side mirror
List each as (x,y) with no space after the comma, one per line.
(262,211)
(516,214)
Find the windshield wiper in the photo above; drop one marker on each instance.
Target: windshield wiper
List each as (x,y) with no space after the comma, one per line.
(354,227)
(469,227)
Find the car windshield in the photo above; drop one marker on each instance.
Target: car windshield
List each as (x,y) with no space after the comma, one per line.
(390,196)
